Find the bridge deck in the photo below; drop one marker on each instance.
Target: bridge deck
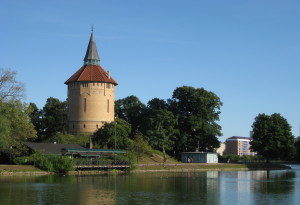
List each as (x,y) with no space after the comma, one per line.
(102,166)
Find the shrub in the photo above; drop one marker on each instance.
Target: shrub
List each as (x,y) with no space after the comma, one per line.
(48,162)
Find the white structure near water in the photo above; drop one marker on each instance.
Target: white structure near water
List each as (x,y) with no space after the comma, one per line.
(199,157)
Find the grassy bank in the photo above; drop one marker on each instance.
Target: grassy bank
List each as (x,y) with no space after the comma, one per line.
(21,170)
(182,167)
(179,167)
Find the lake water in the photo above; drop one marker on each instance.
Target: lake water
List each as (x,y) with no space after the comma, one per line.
(207,187)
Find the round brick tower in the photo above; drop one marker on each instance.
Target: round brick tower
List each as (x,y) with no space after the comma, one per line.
(91,92)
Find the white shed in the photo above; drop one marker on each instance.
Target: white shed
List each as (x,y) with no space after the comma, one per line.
(199,157)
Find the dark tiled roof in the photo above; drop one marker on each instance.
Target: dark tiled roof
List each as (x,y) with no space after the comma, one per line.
(91,73)
(51,148)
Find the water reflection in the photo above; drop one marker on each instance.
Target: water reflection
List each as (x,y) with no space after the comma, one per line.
(211,187)
(275,186)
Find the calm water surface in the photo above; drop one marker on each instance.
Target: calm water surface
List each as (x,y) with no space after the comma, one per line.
(209,187)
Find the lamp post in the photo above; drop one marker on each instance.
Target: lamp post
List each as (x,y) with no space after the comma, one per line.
(115,133)
(115,146)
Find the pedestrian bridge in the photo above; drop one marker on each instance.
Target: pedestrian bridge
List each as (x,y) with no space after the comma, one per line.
(100,164)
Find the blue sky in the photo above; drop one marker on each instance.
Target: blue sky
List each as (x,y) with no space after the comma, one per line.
(245,51)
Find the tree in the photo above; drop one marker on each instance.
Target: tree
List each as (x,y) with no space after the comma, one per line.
(54,117)
(297,145)
(130,109)
(156,104)
(15,128)
(159,129)
(36,116)
(272,137)
(198,111)
(9,86)
(117,131)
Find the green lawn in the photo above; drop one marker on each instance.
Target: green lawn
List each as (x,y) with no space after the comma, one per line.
(18,168)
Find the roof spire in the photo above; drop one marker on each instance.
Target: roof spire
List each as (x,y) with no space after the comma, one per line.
(91,56)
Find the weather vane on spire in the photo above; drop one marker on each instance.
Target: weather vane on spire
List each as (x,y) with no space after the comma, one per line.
(92,28)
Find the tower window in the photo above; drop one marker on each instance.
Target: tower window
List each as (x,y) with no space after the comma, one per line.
(107,105)
(97,126)
(84,126)
(84,105)
(107,85)
(85,85)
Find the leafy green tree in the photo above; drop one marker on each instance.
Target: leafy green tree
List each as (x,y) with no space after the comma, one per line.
(198,111)
(15,128)
(297,145)
(159,129)
(117,131)
(131,110)
(272,137)
(139,146)
(54,117)
(36,116)
(156,104)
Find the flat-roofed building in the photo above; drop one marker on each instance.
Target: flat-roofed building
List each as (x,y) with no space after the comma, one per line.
(238,145)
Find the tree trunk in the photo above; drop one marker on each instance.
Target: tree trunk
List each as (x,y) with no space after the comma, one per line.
(165,156)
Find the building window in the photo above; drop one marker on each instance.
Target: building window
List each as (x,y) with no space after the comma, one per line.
(84,105)
(97,84)
(84,126)
(107,105)
(85,85)
(97,126)
(107,85)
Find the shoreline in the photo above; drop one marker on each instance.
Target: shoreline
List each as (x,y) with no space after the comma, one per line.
(152,168)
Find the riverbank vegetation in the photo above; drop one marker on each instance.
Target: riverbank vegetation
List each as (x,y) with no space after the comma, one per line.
(187,121)
(47,162)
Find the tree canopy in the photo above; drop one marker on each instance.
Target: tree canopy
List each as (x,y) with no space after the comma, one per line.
(159,129)
(198,111)
(272,137)
(117,131)
(54,117)
(9,86)
(15,128)
(130,109)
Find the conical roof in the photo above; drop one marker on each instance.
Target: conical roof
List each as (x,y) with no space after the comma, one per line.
(91,71)
(91,56)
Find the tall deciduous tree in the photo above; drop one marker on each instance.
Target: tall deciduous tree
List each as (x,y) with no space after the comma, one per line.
(297,145)
(54,117)
(159,129)
(113,134)
(198,111)
(36,116)
(9,87)
(15,128)
(272,137)
(130,109)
